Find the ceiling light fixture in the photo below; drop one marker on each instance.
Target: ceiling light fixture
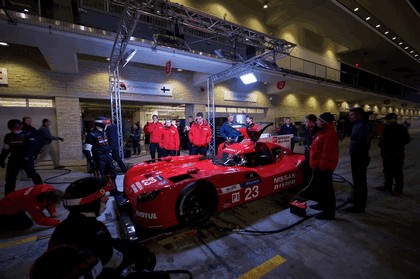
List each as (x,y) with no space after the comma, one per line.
(400,43)
(386,32)
(248,78)
(368,18)
(406,47)
(265,6)
(394,38)
(377,26)
(356,9)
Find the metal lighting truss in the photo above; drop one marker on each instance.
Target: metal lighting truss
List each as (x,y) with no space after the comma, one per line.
(126,28)
(200,21)
(265,60)
(274,48)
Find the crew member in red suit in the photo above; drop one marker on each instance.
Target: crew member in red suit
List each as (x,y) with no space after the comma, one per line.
(169,141)
(200,136)
(34,200)
(323,161)
(154,130)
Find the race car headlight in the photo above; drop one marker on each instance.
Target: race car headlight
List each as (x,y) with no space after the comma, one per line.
(147,196)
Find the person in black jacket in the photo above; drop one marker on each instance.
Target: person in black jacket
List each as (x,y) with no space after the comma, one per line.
(45,138)
(392,145)
(135,138)
(98,152)
(359,158)
(289,129)
(20,146)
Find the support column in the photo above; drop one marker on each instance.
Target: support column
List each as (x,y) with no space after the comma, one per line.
(70,128)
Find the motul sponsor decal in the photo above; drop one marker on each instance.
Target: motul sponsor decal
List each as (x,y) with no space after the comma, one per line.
(146,215)
(284,181)
(231,188)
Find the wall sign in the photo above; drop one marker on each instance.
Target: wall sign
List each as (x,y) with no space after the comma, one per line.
(3,76)
(281,84)
(168,68)
(145,88)
(240,96)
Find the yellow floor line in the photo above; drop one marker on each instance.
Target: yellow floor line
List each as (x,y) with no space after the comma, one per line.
(17,242)
(263,268)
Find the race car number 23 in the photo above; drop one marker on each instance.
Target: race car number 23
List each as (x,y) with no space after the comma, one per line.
(148,181)
(251,193)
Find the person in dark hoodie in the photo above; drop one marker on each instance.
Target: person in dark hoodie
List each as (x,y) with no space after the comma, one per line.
(392,145)
(359,159)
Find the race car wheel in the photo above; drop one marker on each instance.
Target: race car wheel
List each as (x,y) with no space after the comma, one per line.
(196,204)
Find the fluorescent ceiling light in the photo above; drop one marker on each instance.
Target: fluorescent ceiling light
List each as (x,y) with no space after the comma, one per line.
(4,44)
(248,78)
(356,9)
(368,18)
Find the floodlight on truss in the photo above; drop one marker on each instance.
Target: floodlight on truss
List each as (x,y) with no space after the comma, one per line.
(248,78)
(128,56)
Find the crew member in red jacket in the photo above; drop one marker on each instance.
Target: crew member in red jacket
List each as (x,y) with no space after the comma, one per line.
(34,200)
(154,130)
(169,141)
(323,160)
(200,136)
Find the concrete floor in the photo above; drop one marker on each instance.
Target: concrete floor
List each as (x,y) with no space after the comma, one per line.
(382,243)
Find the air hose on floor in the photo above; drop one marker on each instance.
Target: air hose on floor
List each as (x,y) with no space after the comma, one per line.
(304,218)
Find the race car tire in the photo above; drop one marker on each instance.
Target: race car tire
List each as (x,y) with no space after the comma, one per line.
(196,204)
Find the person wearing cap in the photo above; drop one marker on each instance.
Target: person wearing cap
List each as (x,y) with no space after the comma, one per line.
(392,145)
(86,199)
(169,141)
(200,135)
(33,200)
(98,152)
(359,158)
(154,130)
(323,160)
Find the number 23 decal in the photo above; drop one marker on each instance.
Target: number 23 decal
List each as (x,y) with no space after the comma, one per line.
(148,181)
(251,193)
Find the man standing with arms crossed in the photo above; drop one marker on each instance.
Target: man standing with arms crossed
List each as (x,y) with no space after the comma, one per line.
(154,130)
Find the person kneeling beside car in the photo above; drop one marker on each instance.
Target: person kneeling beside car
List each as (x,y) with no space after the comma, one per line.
(33,200)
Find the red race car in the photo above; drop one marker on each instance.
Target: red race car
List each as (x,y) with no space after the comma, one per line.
(187,190)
